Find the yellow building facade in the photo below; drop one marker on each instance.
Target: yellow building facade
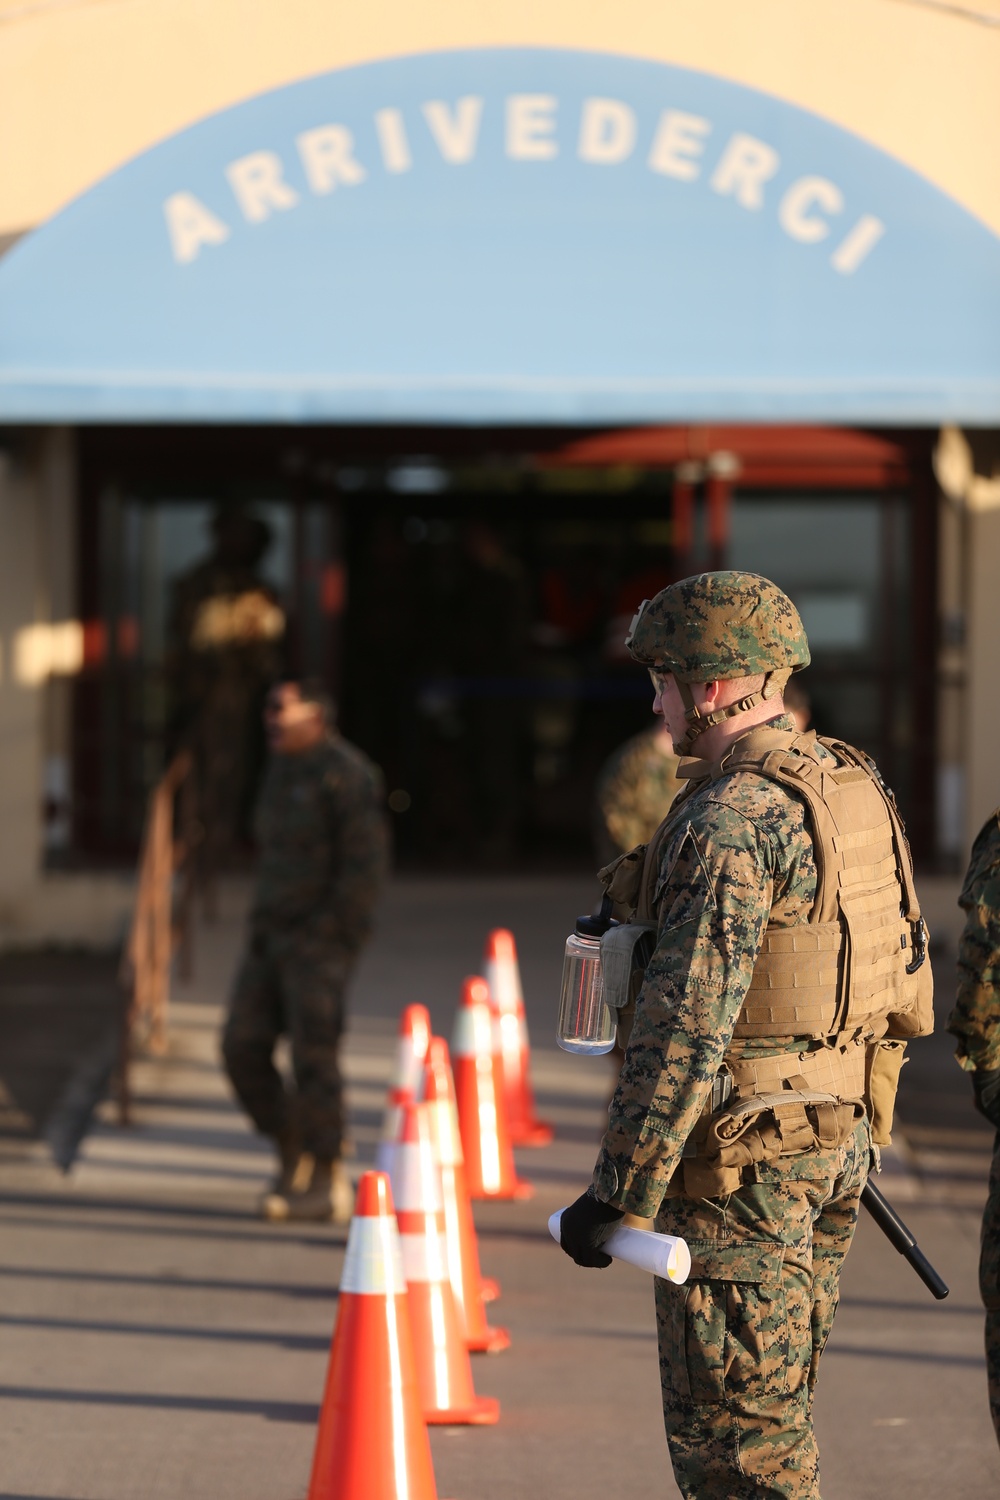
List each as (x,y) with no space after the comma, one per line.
(360,263)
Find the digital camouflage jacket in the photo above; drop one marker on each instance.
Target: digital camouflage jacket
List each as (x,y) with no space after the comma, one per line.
(976,1017)
(635,789)
(322,839)
(738,854)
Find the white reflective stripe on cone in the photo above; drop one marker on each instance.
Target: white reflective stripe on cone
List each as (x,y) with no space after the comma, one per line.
(373,1264)
(463,1037)
(416,1182)
(489,1140)
(410,1054)
(483,1029)
(502,988)
(502,972)
(424,1257)
(510,1034)
(444,1126)
(407,1064)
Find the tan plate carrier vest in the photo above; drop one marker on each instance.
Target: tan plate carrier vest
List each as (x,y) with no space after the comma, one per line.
(837,982)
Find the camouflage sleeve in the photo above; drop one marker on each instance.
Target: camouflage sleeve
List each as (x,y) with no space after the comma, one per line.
(355,816)
(976,1017)
(713,904)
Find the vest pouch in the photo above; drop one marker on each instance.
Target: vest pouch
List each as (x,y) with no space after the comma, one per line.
(885,1060)
(915,1016)
(622,878)
(628,954)
(625,950)
(768,1126)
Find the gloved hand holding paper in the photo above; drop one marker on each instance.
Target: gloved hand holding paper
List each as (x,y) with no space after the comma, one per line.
(661,1254)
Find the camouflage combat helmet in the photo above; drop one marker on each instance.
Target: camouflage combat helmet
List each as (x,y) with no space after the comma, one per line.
(719,625)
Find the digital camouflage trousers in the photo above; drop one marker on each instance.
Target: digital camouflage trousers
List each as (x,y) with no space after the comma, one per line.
(740,1344)
(296,991)
(989,1286)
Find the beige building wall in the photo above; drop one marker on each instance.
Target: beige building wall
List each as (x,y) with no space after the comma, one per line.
(85,87)
(968,471)
(37,562)
(20,703)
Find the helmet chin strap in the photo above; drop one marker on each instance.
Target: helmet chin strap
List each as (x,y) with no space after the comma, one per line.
(698,722)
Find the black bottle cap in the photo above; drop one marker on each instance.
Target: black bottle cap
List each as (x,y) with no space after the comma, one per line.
(596,924)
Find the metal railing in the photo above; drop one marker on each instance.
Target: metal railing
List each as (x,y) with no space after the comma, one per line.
(161,921)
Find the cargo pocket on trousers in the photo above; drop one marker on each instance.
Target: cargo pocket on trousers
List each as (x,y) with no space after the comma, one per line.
(727,1340)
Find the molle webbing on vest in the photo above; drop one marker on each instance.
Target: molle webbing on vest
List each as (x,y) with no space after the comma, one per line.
(843,972)
(834,1070)
(795,989)
(837,980)
(837,977)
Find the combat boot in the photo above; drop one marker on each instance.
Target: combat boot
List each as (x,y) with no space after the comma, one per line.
(329,1197)
(294,1172)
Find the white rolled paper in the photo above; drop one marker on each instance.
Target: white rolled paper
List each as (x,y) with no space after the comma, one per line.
(661,1254)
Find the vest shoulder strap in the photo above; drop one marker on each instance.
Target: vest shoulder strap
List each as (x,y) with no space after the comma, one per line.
(797,762)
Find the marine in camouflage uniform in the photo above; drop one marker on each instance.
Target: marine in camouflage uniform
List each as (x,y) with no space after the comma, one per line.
(740,1345)
(739,1355)
(322,838)
(976,1022)
(635,788)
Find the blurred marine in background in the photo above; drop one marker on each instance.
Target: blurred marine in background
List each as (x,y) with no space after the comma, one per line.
(779,965)
(635,788)
(322,839)
(227,632)
(976,1022)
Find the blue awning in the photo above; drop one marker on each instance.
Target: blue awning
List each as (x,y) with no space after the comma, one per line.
(506,236)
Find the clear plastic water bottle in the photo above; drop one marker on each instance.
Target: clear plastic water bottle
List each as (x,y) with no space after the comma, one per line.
(586,1021)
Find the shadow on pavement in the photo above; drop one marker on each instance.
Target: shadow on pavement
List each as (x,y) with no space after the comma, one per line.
(273,1411)
(172,1331)
(183,1283)
(60,1026)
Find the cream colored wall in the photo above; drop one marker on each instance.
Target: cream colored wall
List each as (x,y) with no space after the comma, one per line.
(87,84)
(969,656)
(37,558)
(20,704)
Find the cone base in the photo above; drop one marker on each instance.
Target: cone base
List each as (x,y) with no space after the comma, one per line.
(492,1341)
(533,1133)
(484,1412)
(489,1289)
(518,1192)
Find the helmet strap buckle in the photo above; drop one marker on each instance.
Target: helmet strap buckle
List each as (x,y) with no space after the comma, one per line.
(698,722)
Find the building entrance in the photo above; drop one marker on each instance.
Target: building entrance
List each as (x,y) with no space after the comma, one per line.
(465,595)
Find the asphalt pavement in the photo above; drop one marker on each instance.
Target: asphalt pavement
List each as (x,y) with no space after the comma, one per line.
(158,1340)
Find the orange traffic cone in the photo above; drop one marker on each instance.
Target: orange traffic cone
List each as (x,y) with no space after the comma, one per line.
(504,979)
(489,1287)
(461,1248)
(411,1052)
(444,1373)
(372,1442)
(482,1120)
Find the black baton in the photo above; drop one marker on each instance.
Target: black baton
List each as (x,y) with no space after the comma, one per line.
(897,1234)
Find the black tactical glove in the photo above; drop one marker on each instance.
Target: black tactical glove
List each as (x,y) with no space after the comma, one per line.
(986,1083)
(584,1227)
